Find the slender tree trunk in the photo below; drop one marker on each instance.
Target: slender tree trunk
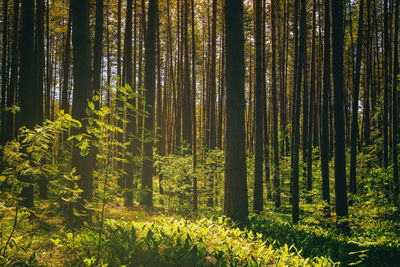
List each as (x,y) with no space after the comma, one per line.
(186,118)
(277,193)
(4,75)
(325,105)
(64,97)
(193,111)
(119,40)
(48,60)
(296,126)
(131,124)
(258,115)
(98,48)
(147,178)
(356,88)
(11,101)
(311,121)
(338,84)
(394,105)
(213,76)
(386,85)
(39,65)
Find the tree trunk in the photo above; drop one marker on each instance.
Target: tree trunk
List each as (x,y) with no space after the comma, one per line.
(14,74)
(64,101)
(338,84)
(98,48)
(325,105)
(394,105)
(356,88)
(193,111)
(4,75)
(277,193)
(131,124)
(386,85)
(258,166)
(311,121)
(296,120)
(82,93)
(149,84)
(236,203)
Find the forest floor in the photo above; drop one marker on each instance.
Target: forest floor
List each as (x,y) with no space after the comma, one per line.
(140,237)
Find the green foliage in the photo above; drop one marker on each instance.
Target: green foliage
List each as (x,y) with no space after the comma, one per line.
(316,241)
(183,243)
(31,155)
(177,176)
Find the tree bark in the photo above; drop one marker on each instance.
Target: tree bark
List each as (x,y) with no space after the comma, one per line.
(356,88)
(82,92)
(338,84)
(236,203)
(149,84)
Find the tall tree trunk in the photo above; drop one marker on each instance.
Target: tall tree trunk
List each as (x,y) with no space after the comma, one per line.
(296,120)
(356,88)
(39,66)
(186,118)
(119,40)
(311,121)
(258,165)
(26,115)
(4,75)
(386,85)
(213,76)
(9,134)
(394,104)
(149,84)
(98,48)
(64,97)
(131,124)
(49,67)
(277,193)
(193,111)
(235,204)
(82,93)
(338,84)
(325,104)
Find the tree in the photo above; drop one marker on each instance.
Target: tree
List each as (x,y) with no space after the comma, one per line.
(82,91)
(277,182)
(64,97)
(39,67)
(258,166)
(131,125)
(296,115)
(386,56)
(235,201)
(338,84)
(193,111)
(356,87)
(186,118)
(9,119)
(26,92)
(394,104)
(98,48)
(4,75)
(311,107)
(149,84)
(325,104)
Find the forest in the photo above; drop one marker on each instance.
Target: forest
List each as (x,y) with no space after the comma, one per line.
(199,133)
